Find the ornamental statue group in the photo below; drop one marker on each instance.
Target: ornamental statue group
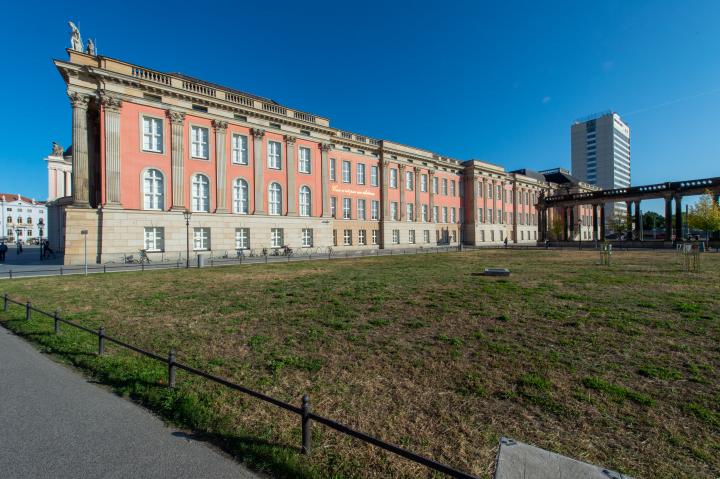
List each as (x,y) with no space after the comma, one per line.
(76,42)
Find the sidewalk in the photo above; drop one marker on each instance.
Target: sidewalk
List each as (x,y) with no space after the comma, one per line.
(55,424)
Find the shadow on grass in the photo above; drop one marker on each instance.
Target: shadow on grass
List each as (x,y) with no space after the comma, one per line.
(144,382)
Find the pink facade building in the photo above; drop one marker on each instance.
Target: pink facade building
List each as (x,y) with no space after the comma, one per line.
(147,146)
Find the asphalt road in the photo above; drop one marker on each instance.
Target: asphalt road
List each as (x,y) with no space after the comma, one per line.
(55,424)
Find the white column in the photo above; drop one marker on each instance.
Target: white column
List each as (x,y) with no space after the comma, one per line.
(80,157)
(401,179)
(418,213)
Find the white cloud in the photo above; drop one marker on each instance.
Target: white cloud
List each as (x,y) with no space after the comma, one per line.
(546,99)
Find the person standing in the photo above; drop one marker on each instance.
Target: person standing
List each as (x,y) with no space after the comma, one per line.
(3,250)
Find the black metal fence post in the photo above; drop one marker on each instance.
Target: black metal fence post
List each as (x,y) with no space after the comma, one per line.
(306,425)
(171,369)
(10,272)
(56,318)
(101,341)
(61,271)
(27,310)
(5,302)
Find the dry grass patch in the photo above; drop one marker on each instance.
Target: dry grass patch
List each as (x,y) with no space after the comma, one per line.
(617,366)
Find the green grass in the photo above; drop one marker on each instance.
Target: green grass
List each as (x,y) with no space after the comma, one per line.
(618,366)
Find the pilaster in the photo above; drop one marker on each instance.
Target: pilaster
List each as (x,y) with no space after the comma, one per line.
(325,166)
(418,213)
(258,180)
(401,186)
(220,127)
(111,112)
(177,158)
(291,173)
(431,186)
(384,190)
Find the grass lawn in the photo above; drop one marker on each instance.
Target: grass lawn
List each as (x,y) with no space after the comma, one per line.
(617,366)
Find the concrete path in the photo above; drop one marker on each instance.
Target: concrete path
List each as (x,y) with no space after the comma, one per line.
(54,424)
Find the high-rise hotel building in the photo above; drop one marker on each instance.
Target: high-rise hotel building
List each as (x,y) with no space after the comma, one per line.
(600,150)
(149,146)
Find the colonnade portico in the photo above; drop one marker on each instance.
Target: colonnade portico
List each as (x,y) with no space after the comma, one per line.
(669,192)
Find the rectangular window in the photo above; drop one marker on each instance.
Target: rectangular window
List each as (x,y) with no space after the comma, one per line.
(304,160)
(239,149)
(307,238)
(480,215)
(411,236)
(482,236)
(445,214)
(424,213)
(346,171)
(360,173)
(375,234)
(452,215)
(423,183)
(334,237)
(396,236)
(347,237)
(242,238)
(333,207)
(480,189)
(461,215)
(276,237)
(435,185)
(499,192)
(152,134)
(374,175)
(409,180)
(499,217)
(347,208)
(490,216)
(374,210)
(445,186)
(393,210)
(393,178)
(410,211)
(274,155)
(201,239)
(199,142)
(333,176)
(426,236)
(154,239)
(436,211)
(452,188)
(361,209)
(489,191)
(361,238)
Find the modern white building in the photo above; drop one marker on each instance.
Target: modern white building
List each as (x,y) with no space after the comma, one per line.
(600,149)
(22,218)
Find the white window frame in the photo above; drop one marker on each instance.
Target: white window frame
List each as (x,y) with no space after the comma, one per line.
(361,209)
(241,196)
(304,160)
(396,236)
(347,208)
(426,236)
(333,206)
(274,155)
(411,236)
(201,239)
(435,185)
(333,171)
(242,238)
(346,171)
(409,180)
(347,237)
(199,142)
(410,210)
(305,201)
(239,149)
(374,176)
(360,173)
(362,237)
(424,213)
(152,136)
(307,237)
(393,178)
(423,183)
(277,237)
(374,210)
(200,193)
(374,236)
(154,196)
(275,199)
(154,238)
(436,214)
(393,210)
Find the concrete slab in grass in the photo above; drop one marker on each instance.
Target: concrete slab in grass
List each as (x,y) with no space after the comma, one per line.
(516,460)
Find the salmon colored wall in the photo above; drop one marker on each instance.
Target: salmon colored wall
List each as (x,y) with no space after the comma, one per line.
(312,180)
(352,190)
(133,160)
(195,166)
(235,171)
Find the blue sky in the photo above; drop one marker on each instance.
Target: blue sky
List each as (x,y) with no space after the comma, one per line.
(497,81)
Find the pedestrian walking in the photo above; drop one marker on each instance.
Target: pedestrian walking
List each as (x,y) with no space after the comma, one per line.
(3,250)
(19,247)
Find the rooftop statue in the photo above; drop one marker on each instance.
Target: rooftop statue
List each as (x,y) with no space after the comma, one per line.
(57,150)
(75,39)
(91,47)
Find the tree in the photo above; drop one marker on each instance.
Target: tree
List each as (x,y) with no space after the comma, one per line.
(652,220)
(556,228)
(705,214)
(620,224)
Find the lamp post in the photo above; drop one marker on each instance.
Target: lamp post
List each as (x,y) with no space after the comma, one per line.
(84,233)
(580,233)
(187,214)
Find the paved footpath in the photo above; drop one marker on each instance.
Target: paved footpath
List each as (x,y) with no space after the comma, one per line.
(55,424)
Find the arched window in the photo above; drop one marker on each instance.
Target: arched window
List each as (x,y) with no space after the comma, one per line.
(240,196)
(153,190)
(275,199)
(201,193)
(305,202)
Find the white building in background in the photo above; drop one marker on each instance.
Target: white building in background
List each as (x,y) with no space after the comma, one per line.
(59,164)
(600,149)
(22,218)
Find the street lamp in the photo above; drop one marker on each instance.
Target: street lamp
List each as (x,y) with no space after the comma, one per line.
(187,214)
(580,233)
(85,233)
